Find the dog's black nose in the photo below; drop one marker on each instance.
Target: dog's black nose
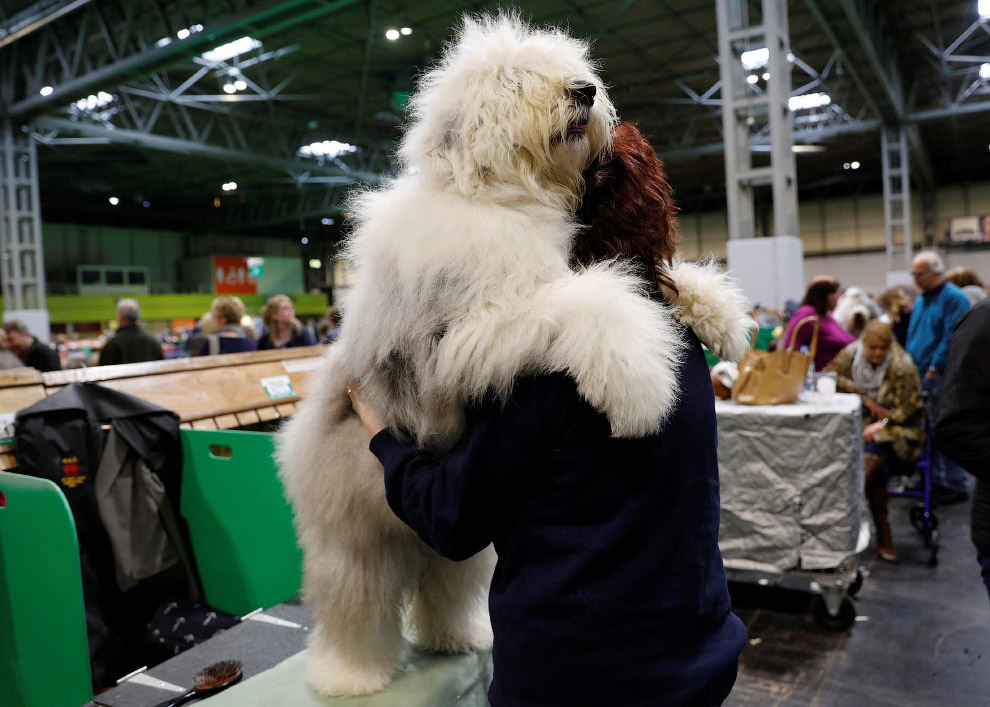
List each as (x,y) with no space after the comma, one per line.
(585,94)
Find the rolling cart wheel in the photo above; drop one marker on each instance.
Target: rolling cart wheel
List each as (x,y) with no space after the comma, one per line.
(841,621)
(933,550)
(918,519)
(856,585)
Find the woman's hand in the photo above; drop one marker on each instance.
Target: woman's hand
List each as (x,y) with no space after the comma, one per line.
(877,411)
(870,431)
(369,418)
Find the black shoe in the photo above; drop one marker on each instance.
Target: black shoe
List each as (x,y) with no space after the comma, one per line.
(944,496)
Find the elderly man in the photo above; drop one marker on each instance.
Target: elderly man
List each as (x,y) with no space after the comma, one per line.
(933,318)
(31,351)
(131,344)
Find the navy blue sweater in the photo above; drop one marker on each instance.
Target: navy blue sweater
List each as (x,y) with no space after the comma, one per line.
(609,587)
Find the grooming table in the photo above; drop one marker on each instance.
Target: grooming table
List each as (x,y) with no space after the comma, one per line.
(271,648)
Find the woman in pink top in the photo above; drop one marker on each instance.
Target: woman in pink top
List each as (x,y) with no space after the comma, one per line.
(819,300)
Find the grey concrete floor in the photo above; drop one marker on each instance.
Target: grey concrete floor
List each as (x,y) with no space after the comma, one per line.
(922,637)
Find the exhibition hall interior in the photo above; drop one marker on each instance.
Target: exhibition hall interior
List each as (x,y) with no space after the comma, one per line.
(566,353)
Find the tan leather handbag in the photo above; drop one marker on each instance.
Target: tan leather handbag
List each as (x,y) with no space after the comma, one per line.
(774,377)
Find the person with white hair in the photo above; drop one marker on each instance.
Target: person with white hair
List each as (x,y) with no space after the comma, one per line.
(131,343)
(933,318)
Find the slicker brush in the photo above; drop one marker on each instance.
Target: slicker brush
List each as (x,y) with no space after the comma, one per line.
(209,681)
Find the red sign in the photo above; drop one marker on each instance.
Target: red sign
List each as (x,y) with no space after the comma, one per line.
(230,276)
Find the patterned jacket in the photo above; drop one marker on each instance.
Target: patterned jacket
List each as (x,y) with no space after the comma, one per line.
(900,393)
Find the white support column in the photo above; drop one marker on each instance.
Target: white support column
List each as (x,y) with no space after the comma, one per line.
(748,108)
(769,270)
(896,202)
(22,264)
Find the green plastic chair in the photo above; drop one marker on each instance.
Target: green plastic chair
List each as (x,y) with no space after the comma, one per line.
(44,654)
(239,522)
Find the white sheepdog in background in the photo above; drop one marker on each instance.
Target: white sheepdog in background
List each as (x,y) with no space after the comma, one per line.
(462,284)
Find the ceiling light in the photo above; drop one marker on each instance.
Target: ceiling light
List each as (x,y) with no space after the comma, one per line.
(983,8)
(752,78)
(197,28)
(46,90)
(327,148)
(240,84)
(755,58)
(114,201)
(163,42)
(216,201)
(327,221)
(315,263)
(799,149)
(146,204)
(232,49)
(392,35)
(985,71)
(405,31)
(229,88)
(229,186)
(808,100)
(183,33)
(846,165)
(854,165)
(766,76)
(305,240)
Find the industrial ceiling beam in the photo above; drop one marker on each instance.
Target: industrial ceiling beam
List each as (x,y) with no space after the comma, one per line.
(35,17)
(257,22)
(869,36)
(198,149)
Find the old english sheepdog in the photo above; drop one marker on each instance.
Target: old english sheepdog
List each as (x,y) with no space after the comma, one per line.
(462,283)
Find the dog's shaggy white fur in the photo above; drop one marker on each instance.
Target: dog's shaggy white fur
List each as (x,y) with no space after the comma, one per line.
(462,285)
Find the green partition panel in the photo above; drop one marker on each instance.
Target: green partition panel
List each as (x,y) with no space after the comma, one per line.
(239,521)
(44,654)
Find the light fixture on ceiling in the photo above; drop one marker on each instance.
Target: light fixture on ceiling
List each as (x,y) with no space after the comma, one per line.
(851,165)
(304,240)
(146,204)
(232,49)
(985,71)
(183,33)
(405,31)
(229,186)
(327,221)
(807,101)
(327,148)
(752,79)
(113,201)
(46,90)
(315,263)
(766,75)
(799,149)
(983,8)
(391,34)
(240,84)
(755,58)
(229,88)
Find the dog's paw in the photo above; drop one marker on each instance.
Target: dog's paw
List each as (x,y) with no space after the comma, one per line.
(468,639)
(331,674)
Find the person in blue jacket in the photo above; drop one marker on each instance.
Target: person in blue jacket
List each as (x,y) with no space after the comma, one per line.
(609,587)
(935,314)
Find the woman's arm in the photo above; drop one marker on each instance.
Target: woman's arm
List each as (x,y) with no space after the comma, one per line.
(455,503)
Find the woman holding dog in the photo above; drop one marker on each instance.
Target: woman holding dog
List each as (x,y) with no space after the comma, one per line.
(609,587)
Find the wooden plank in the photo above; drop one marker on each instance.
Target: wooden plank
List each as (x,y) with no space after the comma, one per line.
(205,424)
(19,376)
(267,413)
(98,374)
(15,398)
(8,461)
(247,418)
(226,422)
(185,426)
(285,409)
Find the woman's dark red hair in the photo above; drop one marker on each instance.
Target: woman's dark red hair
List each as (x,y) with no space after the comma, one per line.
(628,208)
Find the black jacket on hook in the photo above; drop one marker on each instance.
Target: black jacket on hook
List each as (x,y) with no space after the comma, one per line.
(118,461)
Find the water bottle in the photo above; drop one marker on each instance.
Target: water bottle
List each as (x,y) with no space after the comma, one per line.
(809,380)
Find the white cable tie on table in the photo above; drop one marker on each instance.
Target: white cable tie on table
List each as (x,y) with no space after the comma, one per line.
(145,679)
(266,618)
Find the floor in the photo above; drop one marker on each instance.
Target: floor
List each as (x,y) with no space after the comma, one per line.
(921,638)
